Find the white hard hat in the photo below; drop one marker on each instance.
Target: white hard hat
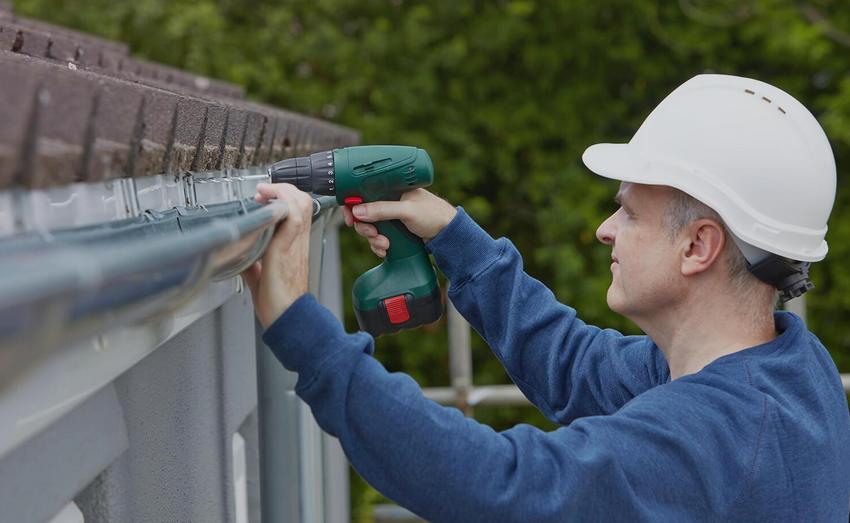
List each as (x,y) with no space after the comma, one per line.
(745,148)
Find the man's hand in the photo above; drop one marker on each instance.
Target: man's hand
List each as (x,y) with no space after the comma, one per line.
(281,277)
(424,213)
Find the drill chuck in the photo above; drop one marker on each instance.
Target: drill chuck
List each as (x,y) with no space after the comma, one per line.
(313,174)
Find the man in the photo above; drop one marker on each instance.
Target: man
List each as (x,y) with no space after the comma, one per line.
(724,411)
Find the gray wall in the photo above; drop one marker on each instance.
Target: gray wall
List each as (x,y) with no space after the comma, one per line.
(181,406)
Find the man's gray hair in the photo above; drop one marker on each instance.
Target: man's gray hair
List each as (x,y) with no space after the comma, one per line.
(683,210)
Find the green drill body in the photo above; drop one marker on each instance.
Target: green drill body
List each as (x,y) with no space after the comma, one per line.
(402,292)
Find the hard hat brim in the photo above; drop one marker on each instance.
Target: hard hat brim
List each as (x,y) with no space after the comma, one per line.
(620,161)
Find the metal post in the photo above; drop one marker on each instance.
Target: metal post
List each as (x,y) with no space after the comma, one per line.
(277,408)
(460,359)
(797,306)
(291,471)
(336,491)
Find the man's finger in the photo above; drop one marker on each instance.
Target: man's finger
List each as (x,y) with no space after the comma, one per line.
(265,192)
(380,211)
(364,229)
(347,216)
(300,204)
(270,191)
(381,242)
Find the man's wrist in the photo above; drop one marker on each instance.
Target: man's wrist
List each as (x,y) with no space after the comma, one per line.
(446,216)
(450,224)
(280,304)
(463,249)
(281,307)
(449,215)
(306,334)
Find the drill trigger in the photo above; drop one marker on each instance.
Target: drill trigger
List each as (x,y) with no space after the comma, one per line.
(351,201)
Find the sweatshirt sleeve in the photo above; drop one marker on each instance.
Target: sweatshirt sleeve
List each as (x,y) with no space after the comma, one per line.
(446,467)
(566,368)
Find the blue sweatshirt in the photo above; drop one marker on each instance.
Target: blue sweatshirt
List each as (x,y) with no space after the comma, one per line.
(759,435)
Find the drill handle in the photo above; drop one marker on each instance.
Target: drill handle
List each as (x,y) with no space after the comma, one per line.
(403,243)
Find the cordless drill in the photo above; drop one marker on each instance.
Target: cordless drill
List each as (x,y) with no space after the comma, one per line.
(402,292)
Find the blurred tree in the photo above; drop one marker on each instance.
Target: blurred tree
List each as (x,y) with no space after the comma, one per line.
(505,95)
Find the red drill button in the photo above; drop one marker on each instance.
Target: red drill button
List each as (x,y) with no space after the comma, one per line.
(351,201)
(397,309)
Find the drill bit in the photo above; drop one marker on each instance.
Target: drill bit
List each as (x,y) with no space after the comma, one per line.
(250,177)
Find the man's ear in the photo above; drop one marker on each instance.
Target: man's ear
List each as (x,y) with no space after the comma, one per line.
(702,244)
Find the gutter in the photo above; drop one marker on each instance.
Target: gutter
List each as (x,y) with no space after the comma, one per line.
(75,283)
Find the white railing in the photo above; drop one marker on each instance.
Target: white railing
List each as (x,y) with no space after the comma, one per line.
(465,396)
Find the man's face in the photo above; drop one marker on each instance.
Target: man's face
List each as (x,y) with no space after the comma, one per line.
(646,275)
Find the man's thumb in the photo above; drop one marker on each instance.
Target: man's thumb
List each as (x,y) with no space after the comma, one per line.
(379,211)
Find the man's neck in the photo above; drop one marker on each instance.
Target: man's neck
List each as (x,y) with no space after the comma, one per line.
(694,333)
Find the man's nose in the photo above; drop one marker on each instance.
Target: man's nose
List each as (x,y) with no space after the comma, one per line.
(606,231)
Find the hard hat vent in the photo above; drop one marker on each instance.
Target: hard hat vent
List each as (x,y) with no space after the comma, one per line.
(766,99)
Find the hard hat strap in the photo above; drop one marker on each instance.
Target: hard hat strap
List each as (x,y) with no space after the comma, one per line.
(790,277)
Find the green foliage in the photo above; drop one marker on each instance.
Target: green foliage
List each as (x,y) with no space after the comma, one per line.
(506,95)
